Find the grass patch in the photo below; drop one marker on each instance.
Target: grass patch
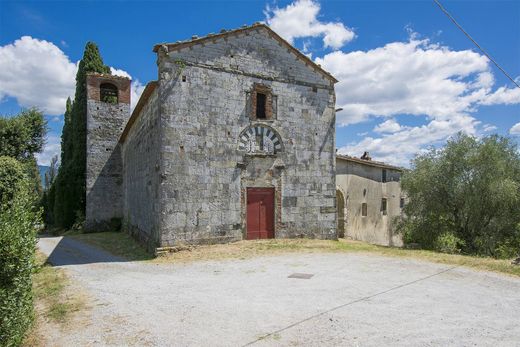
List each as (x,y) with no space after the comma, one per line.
(121,244)
(54,302)
(49,287)
(117,243)
(248,249)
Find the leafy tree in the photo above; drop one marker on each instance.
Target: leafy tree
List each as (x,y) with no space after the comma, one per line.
(465,197)
(21,137)
(70,183)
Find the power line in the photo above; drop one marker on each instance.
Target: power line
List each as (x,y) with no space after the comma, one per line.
(475,42)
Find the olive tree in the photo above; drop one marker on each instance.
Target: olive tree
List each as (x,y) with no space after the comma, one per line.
(465,197)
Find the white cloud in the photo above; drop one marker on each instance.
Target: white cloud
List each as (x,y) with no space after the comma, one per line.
(118,72)
(489,127)
(136,88)
(397,148)
(388,126)
(36,73)
(52,147)
(503,95)
(415,78)
(515,129)
(299,19)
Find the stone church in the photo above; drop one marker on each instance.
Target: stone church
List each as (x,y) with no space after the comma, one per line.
(234,140)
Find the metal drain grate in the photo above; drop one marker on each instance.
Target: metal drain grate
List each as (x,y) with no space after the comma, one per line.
(301,276)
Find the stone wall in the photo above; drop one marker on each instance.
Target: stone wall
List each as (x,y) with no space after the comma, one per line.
(105,122)
(362,183)
(142,194)
(204,97)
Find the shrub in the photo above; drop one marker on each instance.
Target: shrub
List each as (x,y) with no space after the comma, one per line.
(11,175)
(18,226)
(448,243)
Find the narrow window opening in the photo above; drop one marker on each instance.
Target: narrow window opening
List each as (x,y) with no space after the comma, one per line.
(108,93)
(384,176)
(260,106)
(401,203)
(184,78)
(364,209)
(315,89)
(383,206)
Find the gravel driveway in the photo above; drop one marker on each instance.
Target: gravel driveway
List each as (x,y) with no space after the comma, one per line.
(351,300)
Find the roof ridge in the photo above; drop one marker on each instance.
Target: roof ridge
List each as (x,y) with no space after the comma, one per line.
(107,75)
(212,36)
(368,162)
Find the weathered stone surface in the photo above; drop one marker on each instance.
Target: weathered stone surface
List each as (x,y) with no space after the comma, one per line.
(185,171)
(104,181)
(203,118)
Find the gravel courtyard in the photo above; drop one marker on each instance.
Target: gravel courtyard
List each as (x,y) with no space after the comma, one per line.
(351,300)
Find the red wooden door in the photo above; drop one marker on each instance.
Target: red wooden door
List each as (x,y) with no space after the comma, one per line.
(260,213)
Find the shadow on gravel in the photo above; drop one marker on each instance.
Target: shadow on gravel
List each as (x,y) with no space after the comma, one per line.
(64,250)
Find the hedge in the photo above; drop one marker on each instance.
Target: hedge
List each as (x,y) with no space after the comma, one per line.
(18,226)
(11,175)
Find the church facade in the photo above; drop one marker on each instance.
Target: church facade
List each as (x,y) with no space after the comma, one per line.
(234,140)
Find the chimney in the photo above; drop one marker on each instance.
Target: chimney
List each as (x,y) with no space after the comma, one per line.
(366,156)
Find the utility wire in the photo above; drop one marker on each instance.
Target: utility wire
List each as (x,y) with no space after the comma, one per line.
(475,42)
(365,298)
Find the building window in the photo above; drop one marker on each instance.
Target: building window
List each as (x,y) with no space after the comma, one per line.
(108,93)
(364,209)
(260,106)
(383,178)
(384,206)
(401,203)
(263,103)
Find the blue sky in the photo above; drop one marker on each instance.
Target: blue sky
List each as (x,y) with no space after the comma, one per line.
(409,78)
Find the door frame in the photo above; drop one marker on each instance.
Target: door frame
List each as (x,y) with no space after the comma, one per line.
(275,209)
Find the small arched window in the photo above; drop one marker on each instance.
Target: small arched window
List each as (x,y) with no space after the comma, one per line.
(108,93)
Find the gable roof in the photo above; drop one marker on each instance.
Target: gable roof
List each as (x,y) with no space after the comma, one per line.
(368,162)
(226,33)
(143,100)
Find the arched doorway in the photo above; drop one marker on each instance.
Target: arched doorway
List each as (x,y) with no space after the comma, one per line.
(340,204)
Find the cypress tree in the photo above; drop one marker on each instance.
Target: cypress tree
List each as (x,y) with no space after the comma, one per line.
(64,216)
(70,189)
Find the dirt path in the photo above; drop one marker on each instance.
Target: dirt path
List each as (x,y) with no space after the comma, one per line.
(351,300)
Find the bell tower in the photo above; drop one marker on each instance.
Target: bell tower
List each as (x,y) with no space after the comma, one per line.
(108,111)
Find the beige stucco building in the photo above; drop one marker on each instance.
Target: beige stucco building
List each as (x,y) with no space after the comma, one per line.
(369,198)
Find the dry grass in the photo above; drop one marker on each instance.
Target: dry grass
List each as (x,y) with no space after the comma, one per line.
(55,302)
(248,249)
(123,245)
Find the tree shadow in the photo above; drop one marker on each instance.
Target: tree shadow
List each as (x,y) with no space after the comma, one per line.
(65,250)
